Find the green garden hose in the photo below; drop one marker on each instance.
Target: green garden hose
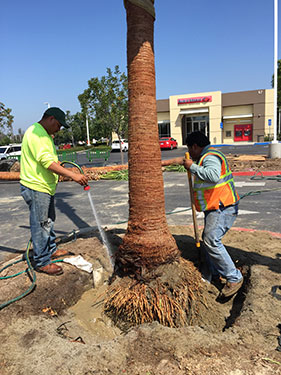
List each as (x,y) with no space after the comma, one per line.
(29,269)
(72,163)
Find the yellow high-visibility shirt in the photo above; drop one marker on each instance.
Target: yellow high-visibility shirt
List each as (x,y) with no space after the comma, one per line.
(38,152)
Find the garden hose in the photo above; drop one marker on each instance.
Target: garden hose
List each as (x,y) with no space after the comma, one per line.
(72,163)
(29,269)
(258,177)
(87,187)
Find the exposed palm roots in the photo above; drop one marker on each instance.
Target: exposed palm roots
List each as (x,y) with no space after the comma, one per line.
(168,295)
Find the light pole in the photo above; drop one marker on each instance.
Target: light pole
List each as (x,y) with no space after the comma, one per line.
(47,104)
(275,147)
(87,128)
(275,67)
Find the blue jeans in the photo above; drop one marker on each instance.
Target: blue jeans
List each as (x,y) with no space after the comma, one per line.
(217,223)
(42,217)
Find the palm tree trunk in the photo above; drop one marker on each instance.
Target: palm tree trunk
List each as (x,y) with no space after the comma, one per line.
(148,241)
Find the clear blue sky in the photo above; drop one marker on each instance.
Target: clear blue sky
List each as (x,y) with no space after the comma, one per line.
(51,49)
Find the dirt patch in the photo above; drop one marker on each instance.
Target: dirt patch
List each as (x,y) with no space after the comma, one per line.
(246,163)
(60,327)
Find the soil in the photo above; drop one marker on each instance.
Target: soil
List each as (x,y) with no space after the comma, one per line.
(60,327)
(253,163)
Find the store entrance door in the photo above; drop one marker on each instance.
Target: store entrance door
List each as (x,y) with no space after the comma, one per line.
(200,126)
(193,124)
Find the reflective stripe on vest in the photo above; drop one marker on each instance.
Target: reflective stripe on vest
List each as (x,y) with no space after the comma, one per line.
(209,195)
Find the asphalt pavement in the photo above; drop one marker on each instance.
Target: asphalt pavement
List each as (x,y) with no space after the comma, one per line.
(115,157)
(262,211)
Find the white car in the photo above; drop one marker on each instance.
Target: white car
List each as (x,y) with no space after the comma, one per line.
(9,151)
(116,145)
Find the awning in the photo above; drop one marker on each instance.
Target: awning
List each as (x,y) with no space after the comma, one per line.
(238,116)
(194,110)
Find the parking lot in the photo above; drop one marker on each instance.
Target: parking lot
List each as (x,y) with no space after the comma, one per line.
(115,157)
(262,212)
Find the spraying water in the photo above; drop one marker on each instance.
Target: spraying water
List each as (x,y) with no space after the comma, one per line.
(102,234)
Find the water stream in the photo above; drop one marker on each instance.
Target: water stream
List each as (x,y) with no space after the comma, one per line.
(102,234)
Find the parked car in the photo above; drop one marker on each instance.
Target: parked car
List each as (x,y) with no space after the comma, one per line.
(168,142)
(116,145)
(10,151)
(66,146)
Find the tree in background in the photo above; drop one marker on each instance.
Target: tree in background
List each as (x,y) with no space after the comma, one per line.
(161,285)
(6,124)
(105,101)
(17,138)
(75,133)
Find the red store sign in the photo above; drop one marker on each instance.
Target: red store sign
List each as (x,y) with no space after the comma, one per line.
(198,99)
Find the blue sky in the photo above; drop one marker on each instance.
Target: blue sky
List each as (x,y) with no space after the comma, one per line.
(51,49)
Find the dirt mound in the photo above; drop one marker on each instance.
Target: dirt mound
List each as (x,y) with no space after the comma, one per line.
(41,334)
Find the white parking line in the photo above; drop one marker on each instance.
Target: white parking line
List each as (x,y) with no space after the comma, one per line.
(244,183)
(200,215)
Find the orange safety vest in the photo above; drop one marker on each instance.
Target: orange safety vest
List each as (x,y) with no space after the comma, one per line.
(209,195)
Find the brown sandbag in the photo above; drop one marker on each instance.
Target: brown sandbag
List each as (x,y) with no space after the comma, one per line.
(88,172)
(10,176)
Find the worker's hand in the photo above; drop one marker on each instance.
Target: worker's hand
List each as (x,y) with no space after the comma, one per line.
(80,179)
(187,163)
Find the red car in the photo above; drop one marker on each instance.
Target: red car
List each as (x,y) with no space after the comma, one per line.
(168,142)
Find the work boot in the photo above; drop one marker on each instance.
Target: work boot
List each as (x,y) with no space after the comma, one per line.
(231,288)
(59,253)
(51,269)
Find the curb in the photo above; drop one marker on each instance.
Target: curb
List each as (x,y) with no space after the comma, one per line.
(273,234)
(257,173)
(240,229)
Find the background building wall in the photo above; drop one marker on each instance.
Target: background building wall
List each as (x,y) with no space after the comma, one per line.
(257,105)
(214,112)
(269,111)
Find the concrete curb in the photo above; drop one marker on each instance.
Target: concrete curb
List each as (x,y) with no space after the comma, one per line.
(257,173)
(240,229)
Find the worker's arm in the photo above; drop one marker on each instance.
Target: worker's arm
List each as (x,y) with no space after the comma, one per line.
(210,171)
(77,177)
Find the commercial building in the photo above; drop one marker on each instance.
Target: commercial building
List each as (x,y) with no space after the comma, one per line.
(235,117)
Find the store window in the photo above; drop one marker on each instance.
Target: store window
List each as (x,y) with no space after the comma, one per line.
(228,133)
(164,129)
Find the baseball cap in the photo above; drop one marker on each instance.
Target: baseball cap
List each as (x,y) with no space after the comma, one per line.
(58,115)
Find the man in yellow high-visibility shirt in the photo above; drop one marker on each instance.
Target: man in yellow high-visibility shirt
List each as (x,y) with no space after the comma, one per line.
(39,173)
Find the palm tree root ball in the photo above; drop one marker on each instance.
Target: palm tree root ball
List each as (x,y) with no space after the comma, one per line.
(168,294)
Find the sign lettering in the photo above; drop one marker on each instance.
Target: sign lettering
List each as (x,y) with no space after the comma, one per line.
(199,99)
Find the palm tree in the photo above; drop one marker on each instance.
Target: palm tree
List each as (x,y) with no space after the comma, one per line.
(164,286)
(148,241)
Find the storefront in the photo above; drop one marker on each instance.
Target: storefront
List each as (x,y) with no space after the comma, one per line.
(239,117)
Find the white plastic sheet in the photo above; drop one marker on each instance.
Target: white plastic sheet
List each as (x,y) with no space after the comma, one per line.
(80,262)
